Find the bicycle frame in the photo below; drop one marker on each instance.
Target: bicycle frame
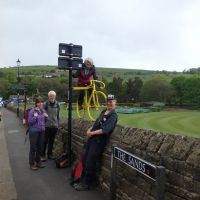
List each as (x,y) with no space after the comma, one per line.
(92,98)
(91,86)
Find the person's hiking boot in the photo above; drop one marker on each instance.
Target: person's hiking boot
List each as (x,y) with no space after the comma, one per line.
(81,187)
(34,167)
(43,159)
(40,165)
(51,157)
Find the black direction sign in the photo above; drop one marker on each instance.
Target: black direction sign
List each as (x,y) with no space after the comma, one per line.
(136,163)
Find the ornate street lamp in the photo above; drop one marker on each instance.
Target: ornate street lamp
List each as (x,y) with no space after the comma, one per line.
(18,65)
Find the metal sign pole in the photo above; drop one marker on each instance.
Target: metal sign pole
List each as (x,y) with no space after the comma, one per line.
(70,58)
(69,116)
(25,101)
(160,183)
(113,174)
(18,104)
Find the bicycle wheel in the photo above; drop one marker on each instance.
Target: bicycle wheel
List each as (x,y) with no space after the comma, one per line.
(81,111)
(97,103)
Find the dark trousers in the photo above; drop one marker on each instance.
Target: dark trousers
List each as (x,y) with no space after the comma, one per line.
(49,138)
(36,140)
(94,149)
(81,96)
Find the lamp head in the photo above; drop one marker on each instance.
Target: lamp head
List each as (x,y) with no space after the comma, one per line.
(18,62)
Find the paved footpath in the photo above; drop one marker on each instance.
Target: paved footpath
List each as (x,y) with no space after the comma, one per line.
(48,183)
(7,186)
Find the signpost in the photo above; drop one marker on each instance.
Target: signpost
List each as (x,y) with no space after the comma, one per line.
(18,80)
(153,172)
(18,88)
(70,59)
(25,102)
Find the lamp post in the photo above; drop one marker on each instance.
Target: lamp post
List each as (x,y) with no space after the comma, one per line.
(18,64)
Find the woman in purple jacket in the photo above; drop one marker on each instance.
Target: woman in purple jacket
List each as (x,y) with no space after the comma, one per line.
(36,122)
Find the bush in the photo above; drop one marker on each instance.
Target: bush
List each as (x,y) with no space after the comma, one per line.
(155,108)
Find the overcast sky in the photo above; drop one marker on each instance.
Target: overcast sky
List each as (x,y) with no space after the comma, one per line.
(137,34)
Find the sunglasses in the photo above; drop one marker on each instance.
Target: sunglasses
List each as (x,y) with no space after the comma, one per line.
(110,97)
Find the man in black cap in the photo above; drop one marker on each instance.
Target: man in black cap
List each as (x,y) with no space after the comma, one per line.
(98,136)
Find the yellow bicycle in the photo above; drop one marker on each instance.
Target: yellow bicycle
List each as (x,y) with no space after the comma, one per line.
(93,103)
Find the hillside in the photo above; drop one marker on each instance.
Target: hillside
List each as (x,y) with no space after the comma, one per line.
(105,73)
(125,74)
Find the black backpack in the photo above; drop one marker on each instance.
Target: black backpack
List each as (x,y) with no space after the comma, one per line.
(62,161)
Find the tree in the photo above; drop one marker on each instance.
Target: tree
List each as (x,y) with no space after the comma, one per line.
(157,89)
(4,88)
(9,75)
(178,84)
(129,90)
(116,87)
(132,89)
(192,91)
(137,86)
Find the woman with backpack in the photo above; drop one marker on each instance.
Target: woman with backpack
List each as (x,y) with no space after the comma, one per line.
(36,121)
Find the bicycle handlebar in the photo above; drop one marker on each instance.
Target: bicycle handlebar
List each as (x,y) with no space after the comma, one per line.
(97,81)
(92,85)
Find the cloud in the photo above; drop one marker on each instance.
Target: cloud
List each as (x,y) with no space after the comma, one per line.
(142,34)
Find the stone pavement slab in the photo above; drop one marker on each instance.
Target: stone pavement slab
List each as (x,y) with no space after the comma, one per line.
(7,186)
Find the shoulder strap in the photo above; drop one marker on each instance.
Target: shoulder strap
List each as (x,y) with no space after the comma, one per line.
(58,108)
(46,105)
(57,105)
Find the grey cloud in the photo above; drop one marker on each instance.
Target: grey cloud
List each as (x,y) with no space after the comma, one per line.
(116,33)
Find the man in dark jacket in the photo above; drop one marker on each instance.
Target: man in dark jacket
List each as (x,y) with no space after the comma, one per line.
(98,136)
(84,75)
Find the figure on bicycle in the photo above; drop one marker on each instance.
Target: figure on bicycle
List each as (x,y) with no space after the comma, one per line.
(84,74)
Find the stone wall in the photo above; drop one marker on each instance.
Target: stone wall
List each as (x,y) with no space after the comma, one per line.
(180,155)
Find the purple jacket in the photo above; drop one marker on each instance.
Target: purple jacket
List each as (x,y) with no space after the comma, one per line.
(36,123)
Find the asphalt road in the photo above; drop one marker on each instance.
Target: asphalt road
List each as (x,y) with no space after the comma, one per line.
(48,183)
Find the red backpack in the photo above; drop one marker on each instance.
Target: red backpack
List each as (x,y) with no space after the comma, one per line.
(26,116)
(77,171)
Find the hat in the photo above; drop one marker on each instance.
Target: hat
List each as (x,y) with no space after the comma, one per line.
(111,97)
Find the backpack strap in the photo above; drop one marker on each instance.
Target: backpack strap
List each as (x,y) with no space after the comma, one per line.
(58,108)
(26,135)
(46,104)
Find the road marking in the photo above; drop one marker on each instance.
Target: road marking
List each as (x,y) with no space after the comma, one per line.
(13,131)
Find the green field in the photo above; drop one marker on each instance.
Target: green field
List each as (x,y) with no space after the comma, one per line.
(173,122)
